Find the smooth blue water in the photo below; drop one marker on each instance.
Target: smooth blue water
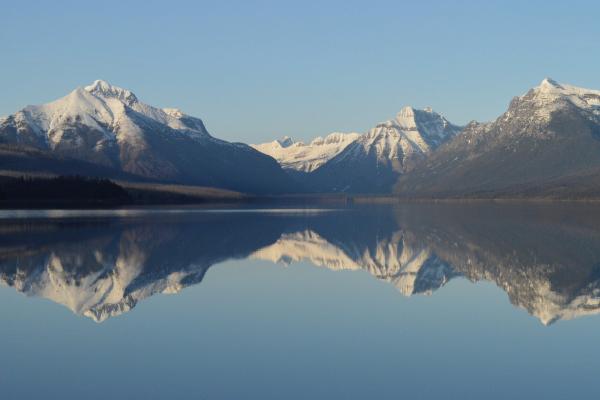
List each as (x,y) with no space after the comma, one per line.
(376,302)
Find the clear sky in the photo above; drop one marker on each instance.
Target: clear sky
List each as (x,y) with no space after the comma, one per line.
(256,70)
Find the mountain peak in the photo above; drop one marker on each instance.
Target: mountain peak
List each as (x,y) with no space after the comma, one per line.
(549,81)
(550,94)
(406,112)
(549,84)
(334,137)
(406,118)
(104,89)
(285,141)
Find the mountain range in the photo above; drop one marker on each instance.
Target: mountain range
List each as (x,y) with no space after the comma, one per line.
(368,163)
(375,160)
(547,144)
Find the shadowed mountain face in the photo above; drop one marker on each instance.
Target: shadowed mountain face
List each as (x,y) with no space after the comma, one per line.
(545,145)
(546,258)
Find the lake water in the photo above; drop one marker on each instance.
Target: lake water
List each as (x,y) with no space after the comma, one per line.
(374,302)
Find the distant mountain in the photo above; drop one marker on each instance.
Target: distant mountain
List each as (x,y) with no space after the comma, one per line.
(547,144)
(297,156)
(373,162)
(109,128)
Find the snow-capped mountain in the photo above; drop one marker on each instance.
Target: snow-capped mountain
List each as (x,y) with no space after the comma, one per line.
(108,126)
(298,156)
(546,144)
(373,162)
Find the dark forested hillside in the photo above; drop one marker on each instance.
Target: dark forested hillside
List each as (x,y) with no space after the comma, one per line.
(62,189)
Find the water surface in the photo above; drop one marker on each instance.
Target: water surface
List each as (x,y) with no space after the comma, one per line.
(418,301)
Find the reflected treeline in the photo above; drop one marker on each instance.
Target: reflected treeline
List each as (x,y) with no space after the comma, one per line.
(545,257)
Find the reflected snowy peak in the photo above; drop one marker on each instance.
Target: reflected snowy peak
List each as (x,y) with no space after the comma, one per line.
(547,260)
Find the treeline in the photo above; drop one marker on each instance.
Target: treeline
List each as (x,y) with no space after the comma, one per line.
(71,190)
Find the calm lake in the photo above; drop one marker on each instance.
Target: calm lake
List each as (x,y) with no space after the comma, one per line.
(482,301)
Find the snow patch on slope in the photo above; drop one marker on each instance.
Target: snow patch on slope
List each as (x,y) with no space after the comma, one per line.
(306,157)
(550,96)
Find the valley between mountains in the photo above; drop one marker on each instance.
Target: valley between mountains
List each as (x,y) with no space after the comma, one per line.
(546,145)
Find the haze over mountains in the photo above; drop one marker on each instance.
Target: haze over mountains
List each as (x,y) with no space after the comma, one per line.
(547,144)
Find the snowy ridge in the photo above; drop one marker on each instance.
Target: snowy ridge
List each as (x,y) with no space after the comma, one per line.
(109,127)
(306,157)
(105,90)
(549,90)
(393,145)
(374,162)
(103,107)
(411,134)
(550,96)
(101,113)
(172,117)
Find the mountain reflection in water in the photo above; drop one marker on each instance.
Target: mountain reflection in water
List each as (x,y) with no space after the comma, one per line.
(545,257)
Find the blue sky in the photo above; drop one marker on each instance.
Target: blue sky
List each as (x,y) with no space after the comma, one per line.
(256,70)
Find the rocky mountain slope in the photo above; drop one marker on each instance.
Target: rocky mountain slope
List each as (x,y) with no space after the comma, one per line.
(547,144)
(373,162)
(109,127)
